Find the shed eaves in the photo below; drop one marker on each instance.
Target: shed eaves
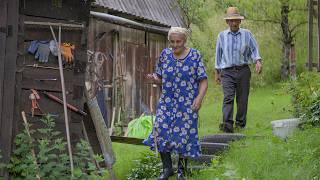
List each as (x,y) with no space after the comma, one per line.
(164,12)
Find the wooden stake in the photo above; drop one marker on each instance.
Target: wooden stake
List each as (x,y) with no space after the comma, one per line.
(32,150)
(66,120)
(112,120)
(152,111)
(90,148)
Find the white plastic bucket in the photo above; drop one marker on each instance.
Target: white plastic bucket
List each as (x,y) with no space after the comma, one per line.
(284,127)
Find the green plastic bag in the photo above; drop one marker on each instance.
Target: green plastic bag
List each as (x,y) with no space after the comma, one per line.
(140,127)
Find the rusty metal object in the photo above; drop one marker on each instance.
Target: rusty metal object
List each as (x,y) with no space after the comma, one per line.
(69,106)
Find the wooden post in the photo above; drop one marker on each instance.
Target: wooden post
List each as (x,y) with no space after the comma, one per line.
(310,36)
(26,126)
(318,64)
(293,72)
(152,113)
(66,119)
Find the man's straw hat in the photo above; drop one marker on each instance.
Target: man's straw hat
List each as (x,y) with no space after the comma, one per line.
(233,13)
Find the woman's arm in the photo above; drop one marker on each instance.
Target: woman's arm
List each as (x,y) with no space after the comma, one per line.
(203,86)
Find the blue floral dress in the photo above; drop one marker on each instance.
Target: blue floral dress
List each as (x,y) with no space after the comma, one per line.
(176,124)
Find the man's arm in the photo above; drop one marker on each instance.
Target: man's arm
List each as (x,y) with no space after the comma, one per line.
(217,75)
(255,55)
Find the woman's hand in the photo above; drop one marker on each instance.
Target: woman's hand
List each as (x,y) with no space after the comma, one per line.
(196,105)
(154,78)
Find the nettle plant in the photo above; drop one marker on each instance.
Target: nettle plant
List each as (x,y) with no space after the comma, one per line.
(306,97)
(148,166)
(47,156)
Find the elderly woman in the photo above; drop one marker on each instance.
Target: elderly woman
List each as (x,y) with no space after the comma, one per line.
(181,72)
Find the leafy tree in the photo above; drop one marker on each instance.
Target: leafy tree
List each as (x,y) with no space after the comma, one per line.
(193,11)
(287,15)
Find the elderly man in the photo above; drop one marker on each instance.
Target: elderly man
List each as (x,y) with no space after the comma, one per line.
(236,49)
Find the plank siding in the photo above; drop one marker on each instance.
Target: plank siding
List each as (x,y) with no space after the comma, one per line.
(9,81)
(137,52)
(3,36)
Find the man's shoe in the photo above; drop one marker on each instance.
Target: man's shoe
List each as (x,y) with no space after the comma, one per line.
(226,128)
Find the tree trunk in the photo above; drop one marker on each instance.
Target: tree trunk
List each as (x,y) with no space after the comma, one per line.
(287,41)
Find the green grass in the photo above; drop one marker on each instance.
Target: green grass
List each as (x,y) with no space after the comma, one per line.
(125,156)
(270,158)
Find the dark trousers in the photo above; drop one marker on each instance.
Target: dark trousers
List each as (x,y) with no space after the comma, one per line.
(235,83)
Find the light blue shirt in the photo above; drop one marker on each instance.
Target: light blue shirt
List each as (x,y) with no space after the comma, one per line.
(236,49)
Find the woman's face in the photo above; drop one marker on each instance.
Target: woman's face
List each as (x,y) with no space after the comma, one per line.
(177,42)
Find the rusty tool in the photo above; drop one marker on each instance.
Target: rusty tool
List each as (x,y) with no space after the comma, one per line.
(71,107)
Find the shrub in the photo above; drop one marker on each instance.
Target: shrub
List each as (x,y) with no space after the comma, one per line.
(47,157)
(148,166)
(305,93)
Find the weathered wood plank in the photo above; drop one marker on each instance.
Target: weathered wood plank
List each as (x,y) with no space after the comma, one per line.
(3,26)
(9,79)
(3,36)
(127,140)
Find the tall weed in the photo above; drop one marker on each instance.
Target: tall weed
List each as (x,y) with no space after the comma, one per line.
(305,93)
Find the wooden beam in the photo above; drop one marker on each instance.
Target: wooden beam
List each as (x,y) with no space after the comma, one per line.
(310,37)
(318,7)
(8,95)
(127,140)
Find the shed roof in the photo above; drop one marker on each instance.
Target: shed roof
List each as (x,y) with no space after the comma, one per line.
(163,12)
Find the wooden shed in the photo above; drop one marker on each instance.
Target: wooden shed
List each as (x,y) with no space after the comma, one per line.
(131,34)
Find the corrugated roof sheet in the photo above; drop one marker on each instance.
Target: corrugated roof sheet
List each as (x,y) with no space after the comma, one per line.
(165,12)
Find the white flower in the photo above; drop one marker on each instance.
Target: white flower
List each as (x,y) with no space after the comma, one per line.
(176,129)
(181,99)
(168,84)
(184,141)
(179,114)
(190,122)
(188,148)
(185,68)
(192,131)
(183,83)
(164,125)
(195,115)
(186,125)
(192,71)
(184,132)
(170,69)
(167,100)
